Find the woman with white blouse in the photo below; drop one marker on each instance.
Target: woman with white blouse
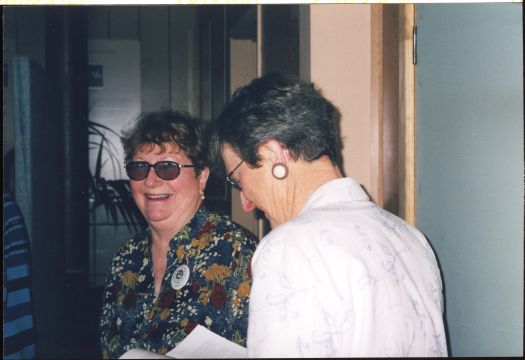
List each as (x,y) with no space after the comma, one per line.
(337,276)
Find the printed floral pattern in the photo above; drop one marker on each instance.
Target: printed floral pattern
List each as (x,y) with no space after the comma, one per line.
(218,253)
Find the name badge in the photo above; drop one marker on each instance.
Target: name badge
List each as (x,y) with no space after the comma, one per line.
(180,277)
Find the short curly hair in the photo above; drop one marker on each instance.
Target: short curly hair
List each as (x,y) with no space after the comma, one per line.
(278,107)
(179,129)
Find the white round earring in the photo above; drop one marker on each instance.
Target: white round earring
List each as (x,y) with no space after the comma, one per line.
(279,171)
(203,197)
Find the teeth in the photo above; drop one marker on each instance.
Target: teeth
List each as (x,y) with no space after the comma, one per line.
(160,196)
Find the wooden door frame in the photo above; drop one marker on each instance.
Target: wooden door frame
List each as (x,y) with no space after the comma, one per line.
(407,104)
(393,177)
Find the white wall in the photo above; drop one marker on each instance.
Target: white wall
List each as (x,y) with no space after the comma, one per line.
(469,168)
(340,66)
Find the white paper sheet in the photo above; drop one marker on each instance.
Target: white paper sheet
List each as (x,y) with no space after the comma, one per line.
(203,343)
(200,343)
(142,354)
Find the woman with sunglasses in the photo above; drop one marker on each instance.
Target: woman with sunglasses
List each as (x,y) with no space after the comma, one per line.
(337,276)
(191,266)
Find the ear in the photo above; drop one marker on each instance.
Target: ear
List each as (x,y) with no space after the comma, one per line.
(203,178)
(273,152)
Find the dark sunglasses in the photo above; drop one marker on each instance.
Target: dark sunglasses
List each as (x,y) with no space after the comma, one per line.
(166,170)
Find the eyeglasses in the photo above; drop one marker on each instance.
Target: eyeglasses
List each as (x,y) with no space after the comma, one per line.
(166,170)
(232,181)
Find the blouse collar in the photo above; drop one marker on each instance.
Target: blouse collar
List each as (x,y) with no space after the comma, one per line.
(335,191)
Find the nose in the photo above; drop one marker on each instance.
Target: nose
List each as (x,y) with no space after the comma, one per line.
(152,179)
(247,205)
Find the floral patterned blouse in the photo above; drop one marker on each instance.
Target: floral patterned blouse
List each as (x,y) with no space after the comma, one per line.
(214,252)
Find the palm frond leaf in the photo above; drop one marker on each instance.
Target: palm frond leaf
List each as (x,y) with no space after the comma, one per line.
(112,195)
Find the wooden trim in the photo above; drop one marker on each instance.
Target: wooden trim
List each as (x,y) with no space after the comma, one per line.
(390,115)
(260,220)
(305,68)
(407,115)
(376,111)
(259,40)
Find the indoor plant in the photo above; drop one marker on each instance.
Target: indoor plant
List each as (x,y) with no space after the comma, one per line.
(114,195)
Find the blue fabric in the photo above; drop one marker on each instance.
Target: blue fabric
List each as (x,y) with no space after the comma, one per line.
(19,332)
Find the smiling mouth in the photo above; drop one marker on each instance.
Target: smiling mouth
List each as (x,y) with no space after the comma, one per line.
(158,197)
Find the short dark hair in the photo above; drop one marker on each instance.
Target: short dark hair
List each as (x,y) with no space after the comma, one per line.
(174,127)
(278,107)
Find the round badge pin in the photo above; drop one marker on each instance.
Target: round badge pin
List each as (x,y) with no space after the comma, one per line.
(180,277)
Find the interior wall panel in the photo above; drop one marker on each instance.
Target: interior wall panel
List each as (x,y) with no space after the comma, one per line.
(98,22)
(155,61)
(470,168)
(182,58)
(31,33)
(124,22)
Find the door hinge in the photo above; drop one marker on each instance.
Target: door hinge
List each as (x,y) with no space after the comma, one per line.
(414,44)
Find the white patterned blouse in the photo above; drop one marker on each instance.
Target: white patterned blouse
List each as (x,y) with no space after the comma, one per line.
(345,278)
